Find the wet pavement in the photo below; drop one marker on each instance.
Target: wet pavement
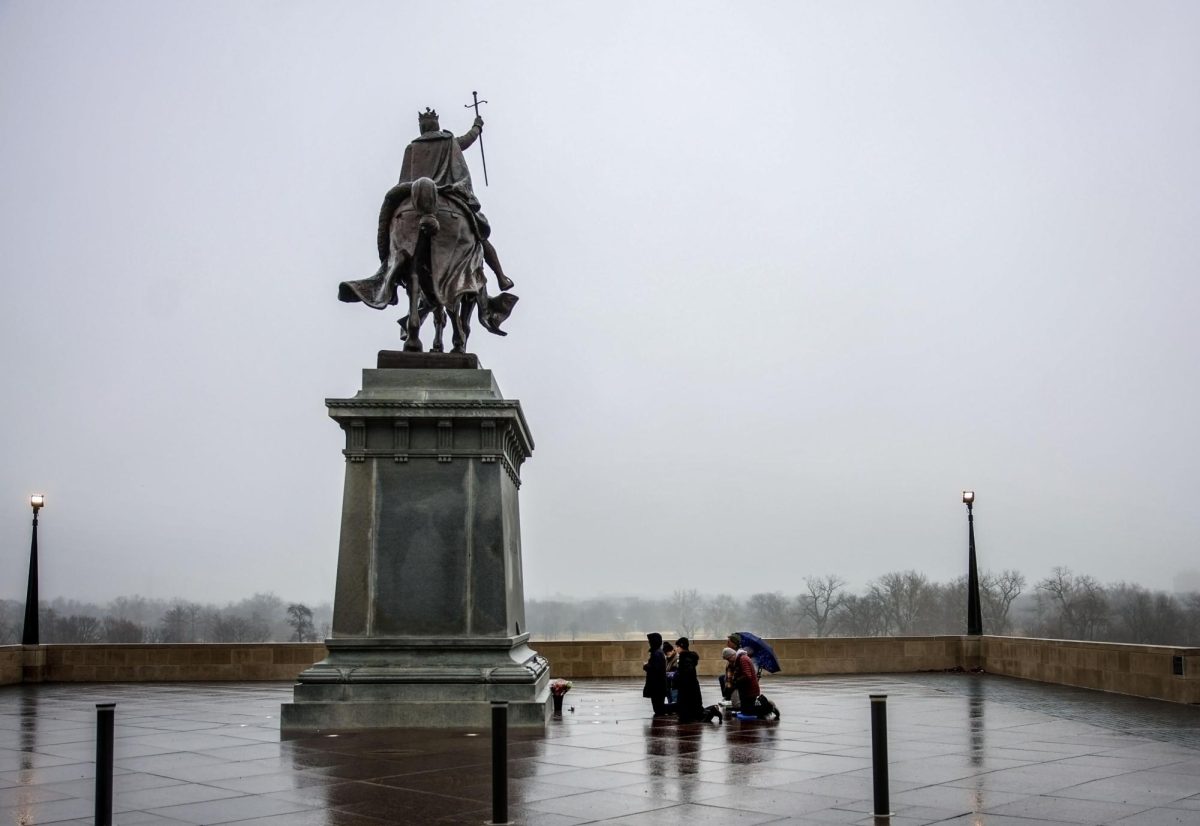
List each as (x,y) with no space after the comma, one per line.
(964,749)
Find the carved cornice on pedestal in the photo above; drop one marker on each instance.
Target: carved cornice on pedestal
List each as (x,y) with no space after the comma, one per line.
(501,436)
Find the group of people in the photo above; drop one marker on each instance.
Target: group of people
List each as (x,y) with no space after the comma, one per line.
(673,682)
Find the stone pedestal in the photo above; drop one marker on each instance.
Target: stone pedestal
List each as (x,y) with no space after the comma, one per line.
(429,611)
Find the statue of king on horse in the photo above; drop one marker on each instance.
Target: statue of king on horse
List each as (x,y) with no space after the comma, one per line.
(433,243)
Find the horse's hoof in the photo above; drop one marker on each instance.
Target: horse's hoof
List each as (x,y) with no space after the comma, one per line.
(436,349)
(412,346)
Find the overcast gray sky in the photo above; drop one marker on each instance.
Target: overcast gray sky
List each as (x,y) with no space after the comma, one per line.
(792,275)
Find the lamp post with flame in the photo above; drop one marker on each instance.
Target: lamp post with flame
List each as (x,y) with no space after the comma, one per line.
(974,613)
(29,634)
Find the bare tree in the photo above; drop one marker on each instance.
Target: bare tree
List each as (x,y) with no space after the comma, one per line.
(1191,618)
(136,609)
(860,616)
(77,628)
(1070,606)
(11,618)
(904,596)
(771,614)
(686,606)
(230,627)
(121,630)
(300,618)
(997,593)
(719,615)
(822,601)
(174,625)
(1143,616)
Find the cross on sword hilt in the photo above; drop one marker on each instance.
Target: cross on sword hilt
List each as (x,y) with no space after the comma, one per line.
(482,157)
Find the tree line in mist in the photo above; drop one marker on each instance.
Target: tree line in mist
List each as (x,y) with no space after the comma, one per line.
(1064,605)
(258,618)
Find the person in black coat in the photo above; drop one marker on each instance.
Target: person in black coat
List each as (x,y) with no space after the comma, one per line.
(689,705)
(656,676)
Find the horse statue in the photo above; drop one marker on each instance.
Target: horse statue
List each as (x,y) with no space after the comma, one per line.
(433,242)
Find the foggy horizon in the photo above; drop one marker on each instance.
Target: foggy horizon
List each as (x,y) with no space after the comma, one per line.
(792,276)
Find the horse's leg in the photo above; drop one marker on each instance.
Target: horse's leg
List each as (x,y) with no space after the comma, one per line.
(439,324)
(468,306)
(460,338)
(412,341)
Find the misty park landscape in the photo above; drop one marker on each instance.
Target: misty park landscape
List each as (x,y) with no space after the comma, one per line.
(1062,605)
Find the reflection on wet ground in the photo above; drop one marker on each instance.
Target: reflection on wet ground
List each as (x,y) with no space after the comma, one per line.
(964,749)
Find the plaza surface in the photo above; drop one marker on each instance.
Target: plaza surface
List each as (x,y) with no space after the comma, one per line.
(964,749)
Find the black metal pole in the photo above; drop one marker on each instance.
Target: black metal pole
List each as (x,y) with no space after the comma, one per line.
(499,761)
(879,756)
(104,763)
(974,613)
(29,633)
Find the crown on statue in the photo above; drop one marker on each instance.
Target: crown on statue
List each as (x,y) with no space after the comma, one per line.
(427,115)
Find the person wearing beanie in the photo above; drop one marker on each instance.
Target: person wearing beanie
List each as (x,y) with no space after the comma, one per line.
(743,678)
(689,705)
(656,675)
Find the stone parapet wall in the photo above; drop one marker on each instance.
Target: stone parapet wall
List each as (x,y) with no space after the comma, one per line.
(10,664)
(1140,670)
(827,655)
(167,663)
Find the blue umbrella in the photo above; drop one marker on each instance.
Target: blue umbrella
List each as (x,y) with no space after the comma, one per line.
(759,651)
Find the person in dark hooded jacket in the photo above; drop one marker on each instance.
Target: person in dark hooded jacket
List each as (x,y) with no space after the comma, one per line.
(656,676)
(689,705)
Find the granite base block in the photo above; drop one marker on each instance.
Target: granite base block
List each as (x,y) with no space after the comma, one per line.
(427,683)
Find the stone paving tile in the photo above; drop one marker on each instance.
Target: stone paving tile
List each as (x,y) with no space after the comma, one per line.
(994,820)
(777,802)
(227,811)
(689,813)
(601,805)
(1142,787)
(682,790)
(26,795)
(251,783)
(964,749)
(1192,803)
(855,786)
(1066,810)
(1157,817)
(406,806)
(324,817)
(516,814)
(125,800)
(1039,779)
(954,798)
(128,819)
(47,812)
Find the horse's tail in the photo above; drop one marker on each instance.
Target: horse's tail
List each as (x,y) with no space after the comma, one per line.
(425,199)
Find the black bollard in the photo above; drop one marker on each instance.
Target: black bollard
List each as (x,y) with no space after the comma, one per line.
(105,713)
(499,761)
(879,757)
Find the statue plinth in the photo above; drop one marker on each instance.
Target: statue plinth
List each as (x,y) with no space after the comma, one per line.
(429,610)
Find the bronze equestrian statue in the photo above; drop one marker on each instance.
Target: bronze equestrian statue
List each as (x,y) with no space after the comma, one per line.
(433,243)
